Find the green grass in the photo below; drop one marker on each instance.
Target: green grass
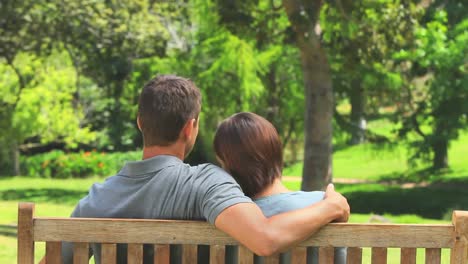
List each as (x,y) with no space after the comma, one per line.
(58,197)
(367,162)
(52,197)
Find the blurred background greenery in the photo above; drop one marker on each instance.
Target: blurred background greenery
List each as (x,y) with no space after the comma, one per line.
(71,72)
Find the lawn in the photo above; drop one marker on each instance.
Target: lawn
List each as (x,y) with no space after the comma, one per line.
(368,162)
(52,198)
(57,198)
(431,202)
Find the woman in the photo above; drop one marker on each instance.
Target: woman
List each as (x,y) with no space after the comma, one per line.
(249,148)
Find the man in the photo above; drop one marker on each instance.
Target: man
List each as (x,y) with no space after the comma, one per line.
(162,186)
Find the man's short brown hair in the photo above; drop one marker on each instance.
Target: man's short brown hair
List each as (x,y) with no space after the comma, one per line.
(166,103)
(251,151)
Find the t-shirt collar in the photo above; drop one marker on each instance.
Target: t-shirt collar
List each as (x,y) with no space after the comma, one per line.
(154,164)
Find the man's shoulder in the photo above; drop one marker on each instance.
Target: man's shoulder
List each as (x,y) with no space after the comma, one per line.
(209,175)
(208,168)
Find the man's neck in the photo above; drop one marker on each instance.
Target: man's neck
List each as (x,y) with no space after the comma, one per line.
(175,149)
(276,187)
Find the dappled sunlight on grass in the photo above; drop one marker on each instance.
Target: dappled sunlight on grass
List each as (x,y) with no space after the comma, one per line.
(368,162)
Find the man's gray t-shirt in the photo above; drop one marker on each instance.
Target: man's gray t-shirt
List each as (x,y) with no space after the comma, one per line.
(162,187)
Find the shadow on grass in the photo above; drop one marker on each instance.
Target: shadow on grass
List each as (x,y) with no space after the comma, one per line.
(424,175)
(436,200)
(8,230)
(58,196)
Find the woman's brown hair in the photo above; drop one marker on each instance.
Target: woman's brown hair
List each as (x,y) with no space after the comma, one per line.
(251,151)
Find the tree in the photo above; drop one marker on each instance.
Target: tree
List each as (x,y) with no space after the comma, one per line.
(22,28)
(104,39)
(264,25)
(440,54)
(237,68)
(303,16)
(43,111)
(361,37)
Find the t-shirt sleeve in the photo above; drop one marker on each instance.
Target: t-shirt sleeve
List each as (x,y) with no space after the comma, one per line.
(218,191)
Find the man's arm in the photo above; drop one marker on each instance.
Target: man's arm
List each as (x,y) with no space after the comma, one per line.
(266,236)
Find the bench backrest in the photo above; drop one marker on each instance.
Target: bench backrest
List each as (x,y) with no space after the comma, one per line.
(162,233)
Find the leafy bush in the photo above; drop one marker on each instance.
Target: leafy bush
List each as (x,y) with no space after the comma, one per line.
(58,164)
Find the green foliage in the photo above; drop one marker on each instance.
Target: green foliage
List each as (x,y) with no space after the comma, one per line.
(43,108)
(361,38)
(57,164)
(71,71)
(241,69)
(440,53)
(103,39)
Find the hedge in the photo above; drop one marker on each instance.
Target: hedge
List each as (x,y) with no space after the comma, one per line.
(58,164)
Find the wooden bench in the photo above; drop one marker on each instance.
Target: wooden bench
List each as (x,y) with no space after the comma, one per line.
(162,233)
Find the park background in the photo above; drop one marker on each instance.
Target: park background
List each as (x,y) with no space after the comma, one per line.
(369,94)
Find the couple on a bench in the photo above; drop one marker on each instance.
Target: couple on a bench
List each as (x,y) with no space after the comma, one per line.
(245,199)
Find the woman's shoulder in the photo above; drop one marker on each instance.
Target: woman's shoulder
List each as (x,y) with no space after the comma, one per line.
(287,196)
(283,202)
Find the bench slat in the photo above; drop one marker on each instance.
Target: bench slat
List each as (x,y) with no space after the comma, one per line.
(161,254)
(193,232)
(354,255)
(379,255)
(53,252)
(408,256)
(135,254)
(433,255)
(245,255)
(108,253)
(326,254)
(383,235)
(25,233)
(459,252)
(299,255)
(80,253)
(217,254)
(189,254)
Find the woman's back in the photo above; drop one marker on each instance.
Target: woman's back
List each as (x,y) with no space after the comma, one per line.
(288,201)
(283,202)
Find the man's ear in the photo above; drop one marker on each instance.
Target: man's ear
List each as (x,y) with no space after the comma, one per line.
(188,128)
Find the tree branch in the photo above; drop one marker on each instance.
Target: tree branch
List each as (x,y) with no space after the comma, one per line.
(350,127)
(21,80)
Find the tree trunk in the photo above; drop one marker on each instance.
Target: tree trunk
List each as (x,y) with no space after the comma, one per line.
(357,99)
(117,127)
(439,143)
(15,158)
(317,172)
(440,149)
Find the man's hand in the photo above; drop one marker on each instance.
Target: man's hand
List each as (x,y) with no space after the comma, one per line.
(265,236)
(339,202)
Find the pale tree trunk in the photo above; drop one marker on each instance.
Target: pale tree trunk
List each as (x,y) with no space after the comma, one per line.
(14,147)
(15,158)
(358,120)
(317,173)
